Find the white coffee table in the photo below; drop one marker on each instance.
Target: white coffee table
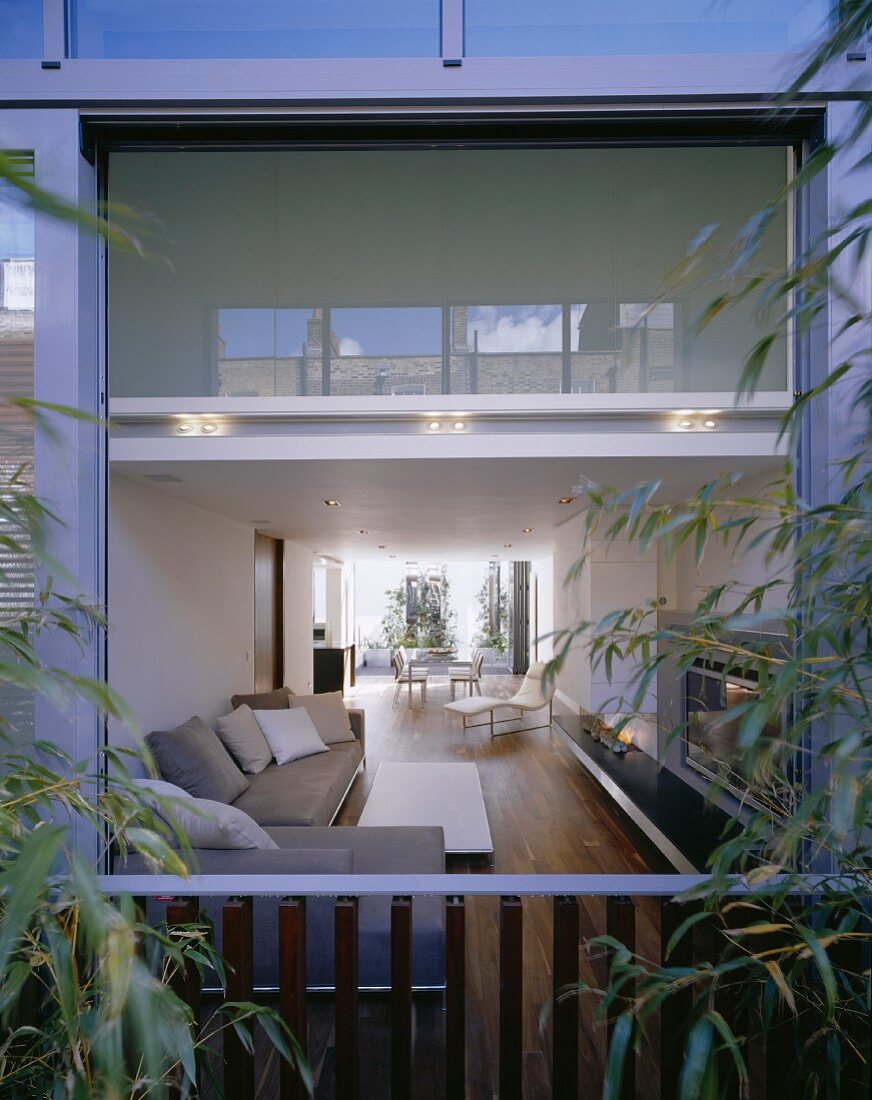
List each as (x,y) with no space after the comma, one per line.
(432,794)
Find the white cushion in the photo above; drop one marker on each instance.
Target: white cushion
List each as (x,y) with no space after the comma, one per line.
(290,734)
(204,823)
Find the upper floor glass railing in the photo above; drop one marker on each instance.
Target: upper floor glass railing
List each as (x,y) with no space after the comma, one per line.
(582,28)
(408,273)
(254,28)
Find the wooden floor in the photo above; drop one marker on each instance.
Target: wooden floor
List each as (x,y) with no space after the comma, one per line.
(546,815)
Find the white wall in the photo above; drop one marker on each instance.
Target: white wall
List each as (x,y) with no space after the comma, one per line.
(542,648)
(181,608)
(748,567)
(571,606)
(299,564)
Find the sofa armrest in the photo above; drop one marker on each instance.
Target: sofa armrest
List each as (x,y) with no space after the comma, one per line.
(357,720)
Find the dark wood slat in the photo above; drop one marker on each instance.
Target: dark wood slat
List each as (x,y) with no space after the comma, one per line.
(346,1025)
(511,997)
(564,1035)
(675,1009)
(185,981)
(401,997)
(621,925)
(455,998)
(236,923)
(292,987)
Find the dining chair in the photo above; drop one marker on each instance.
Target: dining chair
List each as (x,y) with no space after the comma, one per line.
(405,675)
(467,672)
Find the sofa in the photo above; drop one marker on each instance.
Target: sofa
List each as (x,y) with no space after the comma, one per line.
(277,821)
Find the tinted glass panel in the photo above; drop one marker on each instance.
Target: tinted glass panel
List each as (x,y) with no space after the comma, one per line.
(282,273)
(255,28)
(524,28)
(20,28)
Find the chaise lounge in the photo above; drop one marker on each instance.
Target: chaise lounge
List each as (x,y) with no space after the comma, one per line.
(535,693)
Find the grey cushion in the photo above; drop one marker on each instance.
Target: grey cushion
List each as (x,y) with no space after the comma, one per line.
(412,849)
(299,861)
(204,823)
(263,700)
(192,757)
(328,713)
(306,792)
(290,734)
(243,738)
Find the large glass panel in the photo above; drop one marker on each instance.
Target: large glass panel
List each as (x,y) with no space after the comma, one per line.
(527,28)
(384,273)
(507,349)
(386,351)
(255,28)
(20,28)
(16,427)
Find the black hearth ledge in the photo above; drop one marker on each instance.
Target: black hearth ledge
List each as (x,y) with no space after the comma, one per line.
(680,821)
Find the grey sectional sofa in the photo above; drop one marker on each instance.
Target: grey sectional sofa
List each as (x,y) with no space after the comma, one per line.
(295,803)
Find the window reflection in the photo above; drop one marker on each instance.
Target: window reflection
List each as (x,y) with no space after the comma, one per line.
(382,350)
(21,28)
(267,352)
(624,347)
(506,349)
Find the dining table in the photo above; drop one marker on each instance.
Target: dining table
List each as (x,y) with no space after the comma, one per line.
(441,659)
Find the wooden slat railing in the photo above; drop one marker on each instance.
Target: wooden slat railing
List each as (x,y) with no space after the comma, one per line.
(291,892)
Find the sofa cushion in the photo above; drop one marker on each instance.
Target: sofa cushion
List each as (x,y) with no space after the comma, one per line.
(192,757)
(328,713)
(243,738)
(307,792)
(263,700)
(202,822)
(290,734)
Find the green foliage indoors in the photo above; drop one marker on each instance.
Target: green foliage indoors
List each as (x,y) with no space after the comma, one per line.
(87,1007)
(785,968)
(432,628)
(483,638)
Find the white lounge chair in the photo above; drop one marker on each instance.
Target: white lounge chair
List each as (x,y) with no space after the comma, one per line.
(535,693)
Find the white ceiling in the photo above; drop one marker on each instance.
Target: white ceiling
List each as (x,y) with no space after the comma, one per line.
(449,509)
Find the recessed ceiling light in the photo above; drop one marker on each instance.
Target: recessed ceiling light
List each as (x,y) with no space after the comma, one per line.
(709,423)
(684,424)
(208,428)
(434,426)
(507,546)
(392,555)
(528,530)
(363,531)
(458,426)
(332,503)
(382,546)
(566,500)
(183,428)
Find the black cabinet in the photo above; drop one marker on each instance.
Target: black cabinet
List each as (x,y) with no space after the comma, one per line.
(333,668)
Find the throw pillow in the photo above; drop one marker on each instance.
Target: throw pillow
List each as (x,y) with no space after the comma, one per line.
(290,734)
(208,824)
(329,715)
(244,740)
(192,757)
(263,700)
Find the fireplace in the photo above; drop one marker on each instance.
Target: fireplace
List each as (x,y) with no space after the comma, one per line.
(709,740)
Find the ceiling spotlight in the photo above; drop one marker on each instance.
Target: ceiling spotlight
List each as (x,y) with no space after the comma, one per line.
(363,531)
(684,423)
(332,503)
(208,428)
(458,426)
(528,530)
(392,555)
(434,426)
(184,428)
(382,546)
(709,423)
(566,500)
(507,546)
